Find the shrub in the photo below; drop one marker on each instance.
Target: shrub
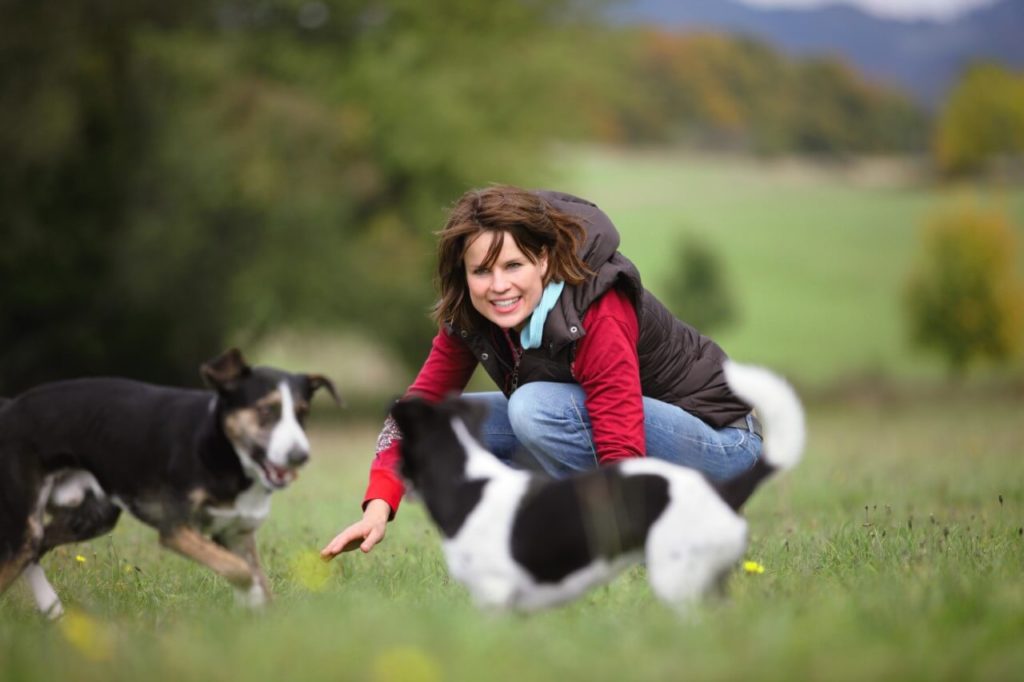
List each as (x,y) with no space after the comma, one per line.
(963,298)
(696,291)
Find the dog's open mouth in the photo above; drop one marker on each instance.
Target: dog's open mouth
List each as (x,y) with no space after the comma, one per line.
(277,477)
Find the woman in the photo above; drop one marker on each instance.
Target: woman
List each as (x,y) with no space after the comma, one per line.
(591,367)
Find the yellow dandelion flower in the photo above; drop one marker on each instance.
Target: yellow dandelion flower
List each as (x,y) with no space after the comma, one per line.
(79,558)
(405,664)
(752,567)
(310,571)
(91,638)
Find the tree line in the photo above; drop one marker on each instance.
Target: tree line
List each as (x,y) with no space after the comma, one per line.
(717,91)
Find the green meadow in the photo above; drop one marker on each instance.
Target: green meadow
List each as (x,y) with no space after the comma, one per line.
(895,550)
(816,255)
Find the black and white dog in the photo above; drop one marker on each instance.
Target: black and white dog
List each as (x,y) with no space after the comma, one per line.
(199,466)
(520,541)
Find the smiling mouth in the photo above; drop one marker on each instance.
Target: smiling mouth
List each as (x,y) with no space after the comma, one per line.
(506,304)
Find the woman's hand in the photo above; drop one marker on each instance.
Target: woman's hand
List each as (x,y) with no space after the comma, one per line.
(363,534)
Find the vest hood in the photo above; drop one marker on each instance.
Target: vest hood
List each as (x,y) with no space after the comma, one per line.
(600,252)
(602,239)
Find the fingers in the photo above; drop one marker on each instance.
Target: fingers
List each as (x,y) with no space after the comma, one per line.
(360,535)
(345,541)
(328,552)
(375,535)
(363,534)
(352,544)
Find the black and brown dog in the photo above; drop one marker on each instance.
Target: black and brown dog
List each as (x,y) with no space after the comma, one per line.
(197,465)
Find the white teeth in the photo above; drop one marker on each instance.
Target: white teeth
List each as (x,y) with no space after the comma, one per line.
(506,303)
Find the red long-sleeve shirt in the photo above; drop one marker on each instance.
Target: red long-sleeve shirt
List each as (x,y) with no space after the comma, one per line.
(606,366)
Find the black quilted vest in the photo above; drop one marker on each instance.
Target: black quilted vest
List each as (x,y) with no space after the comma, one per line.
(678,365)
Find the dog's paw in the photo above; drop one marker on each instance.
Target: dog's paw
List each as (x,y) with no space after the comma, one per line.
(253,598)
(54,611)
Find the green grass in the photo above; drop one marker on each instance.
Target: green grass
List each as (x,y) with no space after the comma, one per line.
(895,551)
(817,256)
(888,554)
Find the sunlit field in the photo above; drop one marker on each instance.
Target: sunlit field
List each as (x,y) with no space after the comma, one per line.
(895,550)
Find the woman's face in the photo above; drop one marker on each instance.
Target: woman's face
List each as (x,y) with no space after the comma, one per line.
(506,292)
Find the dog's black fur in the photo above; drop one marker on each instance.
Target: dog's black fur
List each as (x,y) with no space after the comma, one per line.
(590,517)
(190,463)
(560,526)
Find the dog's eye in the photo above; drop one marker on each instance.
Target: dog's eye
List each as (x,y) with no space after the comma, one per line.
(268,413)
(301,413)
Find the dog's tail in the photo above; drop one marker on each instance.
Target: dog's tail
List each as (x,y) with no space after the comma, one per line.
(782,418)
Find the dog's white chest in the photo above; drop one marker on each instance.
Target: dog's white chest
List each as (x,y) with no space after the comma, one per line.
(478,556)
(248,513)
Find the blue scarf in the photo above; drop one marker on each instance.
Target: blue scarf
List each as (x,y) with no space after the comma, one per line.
(531,334)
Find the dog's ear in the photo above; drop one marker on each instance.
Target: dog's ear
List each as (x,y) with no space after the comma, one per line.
(410,414)
(225,371)
(318,381)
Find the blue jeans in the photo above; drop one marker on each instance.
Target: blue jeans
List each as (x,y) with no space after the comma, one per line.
(545,425)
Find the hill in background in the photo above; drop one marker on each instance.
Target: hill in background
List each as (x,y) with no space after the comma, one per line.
(921,57)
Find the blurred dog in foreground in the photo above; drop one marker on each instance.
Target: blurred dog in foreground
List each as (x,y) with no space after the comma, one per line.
(520,541)
(199,466)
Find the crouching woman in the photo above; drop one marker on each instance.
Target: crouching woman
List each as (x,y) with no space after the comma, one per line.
(591,368)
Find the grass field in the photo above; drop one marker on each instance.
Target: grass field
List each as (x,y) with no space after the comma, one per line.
(816,256)
(895,551)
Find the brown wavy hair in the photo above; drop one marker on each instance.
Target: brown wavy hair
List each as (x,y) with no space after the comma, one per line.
(536,226)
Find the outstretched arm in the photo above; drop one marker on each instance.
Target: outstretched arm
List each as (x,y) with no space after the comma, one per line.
(448,368)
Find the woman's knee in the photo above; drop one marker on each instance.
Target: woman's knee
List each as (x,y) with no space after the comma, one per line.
(550,422)
(528,408)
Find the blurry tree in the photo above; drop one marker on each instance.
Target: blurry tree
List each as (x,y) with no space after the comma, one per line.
(964,298)
(696,290)
(721,91)
(178,174)
(982,119)
(78,128)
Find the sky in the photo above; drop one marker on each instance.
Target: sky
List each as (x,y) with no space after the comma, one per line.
(895,9)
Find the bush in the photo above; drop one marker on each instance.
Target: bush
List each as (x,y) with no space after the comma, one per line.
(696,291)
(964,299)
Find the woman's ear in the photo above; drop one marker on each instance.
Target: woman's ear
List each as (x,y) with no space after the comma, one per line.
(542,261)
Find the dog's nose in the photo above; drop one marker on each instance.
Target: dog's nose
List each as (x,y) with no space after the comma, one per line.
(297,456)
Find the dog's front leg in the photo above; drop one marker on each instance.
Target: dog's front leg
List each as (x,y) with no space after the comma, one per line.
(244,545)
(236,570)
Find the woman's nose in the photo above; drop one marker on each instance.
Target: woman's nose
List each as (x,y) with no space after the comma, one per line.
(498,281)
